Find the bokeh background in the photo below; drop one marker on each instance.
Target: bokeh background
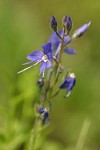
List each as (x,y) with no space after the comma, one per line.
(24,27)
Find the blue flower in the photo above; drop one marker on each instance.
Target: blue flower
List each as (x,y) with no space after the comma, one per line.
(54,39)
(68,83)
(79,32)
(38,56)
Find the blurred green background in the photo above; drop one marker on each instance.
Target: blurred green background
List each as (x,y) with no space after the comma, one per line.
(24,27)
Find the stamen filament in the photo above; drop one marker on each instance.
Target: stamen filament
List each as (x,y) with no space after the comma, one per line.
(27,63)
(29,67)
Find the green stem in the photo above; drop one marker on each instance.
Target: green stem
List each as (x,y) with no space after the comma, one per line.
(58,35)
(34,136)
(57,66)
(47,84)
(56,93)
(62,45)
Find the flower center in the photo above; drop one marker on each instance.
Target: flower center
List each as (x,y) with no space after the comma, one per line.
(45,58)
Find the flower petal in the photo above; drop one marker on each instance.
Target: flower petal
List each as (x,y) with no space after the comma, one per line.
(71,85)
(44,66)
(48,64)
(54,39)
(64,85)
(48,50)
(68,83)
(35,56)
(70,51)
(67,39)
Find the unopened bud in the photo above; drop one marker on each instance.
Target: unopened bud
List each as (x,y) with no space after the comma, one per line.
(40,82)
(69,83)
(67,23)
(53,23)
(79,32)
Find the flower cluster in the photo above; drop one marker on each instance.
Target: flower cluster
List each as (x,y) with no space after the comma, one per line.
(50,59)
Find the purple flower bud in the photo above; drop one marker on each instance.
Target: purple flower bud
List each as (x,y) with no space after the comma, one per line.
(53,23)
(68,83)
(67,23)
(70,51)
(40,110)
(40,82)
(79,32)
(45,117)
(64,20)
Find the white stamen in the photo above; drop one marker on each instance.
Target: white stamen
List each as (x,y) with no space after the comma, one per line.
(29,67)
(27,63)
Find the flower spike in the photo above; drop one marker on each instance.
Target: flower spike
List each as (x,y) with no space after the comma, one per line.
(51,58)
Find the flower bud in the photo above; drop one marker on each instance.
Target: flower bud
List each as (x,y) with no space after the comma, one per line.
(40,82)
(40,109)
(53,23)
(67,23)
(64,21)
(45,117)
(70,51)
(44,114)
(79,32)
(68,83)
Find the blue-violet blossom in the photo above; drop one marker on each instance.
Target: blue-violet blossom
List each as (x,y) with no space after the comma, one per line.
(38,56)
